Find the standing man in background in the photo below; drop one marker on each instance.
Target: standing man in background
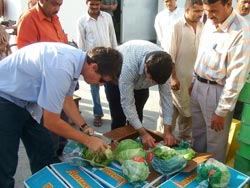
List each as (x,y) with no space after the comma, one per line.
(164,21)
(109,6)
(41,24)
(95,28)
(221,69)
(184,42)
(243,8)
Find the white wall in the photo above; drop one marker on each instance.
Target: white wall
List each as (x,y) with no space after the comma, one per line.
(69,12)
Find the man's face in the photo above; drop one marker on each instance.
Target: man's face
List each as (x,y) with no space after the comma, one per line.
(91,75)
(50,7)
(243,7)
(194,14)
(94,7)
(170,4)
(217,12)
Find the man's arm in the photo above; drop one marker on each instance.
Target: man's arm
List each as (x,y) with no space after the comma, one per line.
(54,123)
(167,111)
(126,86)
(26,32)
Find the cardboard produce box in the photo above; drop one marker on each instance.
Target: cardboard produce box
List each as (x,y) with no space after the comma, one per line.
(188,180)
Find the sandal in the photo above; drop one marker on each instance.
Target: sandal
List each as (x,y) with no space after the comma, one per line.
(98,121)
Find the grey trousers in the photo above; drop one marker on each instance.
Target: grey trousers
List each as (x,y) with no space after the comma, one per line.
(204,100)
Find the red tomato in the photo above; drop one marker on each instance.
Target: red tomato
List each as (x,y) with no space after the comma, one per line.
(150,156)
(138,159)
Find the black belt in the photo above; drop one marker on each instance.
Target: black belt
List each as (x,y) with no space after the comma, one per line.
(203,80)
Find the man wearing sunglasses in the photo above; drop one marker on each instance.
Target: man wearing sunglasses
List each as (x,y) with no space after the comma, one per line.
(144,65)
(37,82)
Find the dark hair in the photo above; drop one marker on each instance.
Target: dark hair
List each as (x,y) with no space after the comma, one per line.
(159,66)
(223,2)
(109,61)
(191,3)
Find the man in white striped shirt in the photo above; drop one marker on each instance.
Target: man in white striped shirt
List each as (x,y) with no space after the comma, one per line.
(221,69)
(144,65)
(95,28)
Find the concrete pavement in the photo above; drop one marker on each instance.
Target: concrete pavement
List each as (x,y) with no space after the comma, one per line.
(85,105)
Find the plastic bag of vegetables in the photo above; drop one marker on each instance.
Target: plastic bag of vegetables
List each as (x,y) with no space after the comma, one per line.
(127,149)
(213,174)
(72,153)
(135,170)
(167,161)
(98,159)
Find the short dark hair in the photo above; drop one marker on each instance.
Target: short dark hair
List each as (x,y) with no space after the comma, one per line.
(159,66)
(191,3)
(109,61)
(223,2)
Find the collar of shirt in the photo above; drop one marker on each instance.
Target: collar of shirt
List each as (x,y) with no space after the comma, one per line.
(226,24)
(43,17)
(91,18)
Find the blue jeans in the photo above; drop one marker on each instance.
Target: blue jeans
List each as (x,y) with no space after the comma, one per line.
(97,109)
(16,123)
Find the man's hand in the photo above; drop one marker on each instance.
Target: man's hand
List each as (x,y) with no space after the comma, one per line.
(175,84)
(169,138)
(96,144)
(147,140)
(217,122)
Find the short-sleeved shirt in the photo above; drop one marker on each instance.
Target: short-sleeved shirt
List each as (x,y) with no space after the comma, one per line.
(133,77)
(34,26)
(40,76)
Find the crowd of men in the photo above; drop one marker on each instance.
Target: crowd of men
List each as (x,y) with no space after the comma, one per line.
(200,68)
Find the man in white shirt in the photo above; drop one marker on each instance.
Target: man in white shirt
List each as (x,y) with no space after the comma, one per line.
(165,19)
(95,28)
(243,8)
(183,50)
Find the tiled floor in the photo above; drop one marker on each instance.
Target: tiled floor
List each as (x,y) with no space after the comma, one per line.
(150,119)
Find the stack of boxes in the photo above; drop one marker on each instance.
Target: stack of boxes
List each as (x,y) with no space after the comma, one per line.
(242,157)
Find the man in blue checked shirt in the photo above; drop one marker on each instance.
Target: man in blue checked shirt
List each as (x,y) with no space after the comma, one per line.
(36,83)
(144,65)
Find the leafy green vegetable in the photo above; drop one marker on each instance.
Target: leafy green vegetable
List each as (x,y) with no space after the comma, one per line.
(187,153)
(135,171)
(127,149)
(99,159)
(164,152)
(214,172)
(167,161)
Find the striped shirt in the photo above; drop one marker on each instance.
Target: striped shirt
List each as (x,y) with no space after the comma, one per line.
(92,33)
(224,58)
(133,77)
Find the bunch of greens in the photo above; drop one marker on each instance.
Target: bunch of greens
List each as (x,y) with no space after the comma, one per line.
(135,170)
(167,161)
(187,153)
(98,159)
(127,149)
(213,174)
